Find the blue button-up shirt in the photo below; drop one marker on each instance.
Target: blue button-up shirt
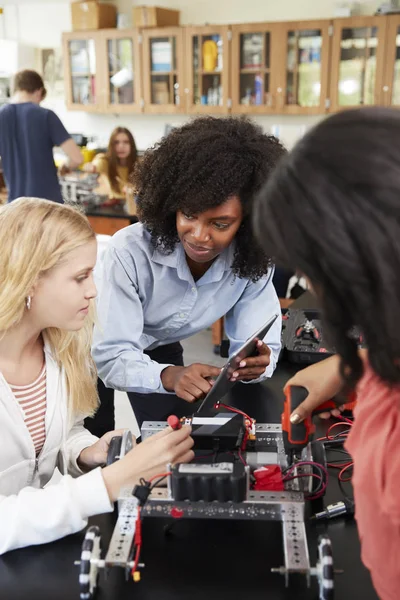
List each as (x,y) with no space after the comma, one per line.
(148,299)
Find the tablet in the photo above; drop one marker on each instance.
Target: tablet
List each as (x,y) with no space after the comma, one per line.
(223,384)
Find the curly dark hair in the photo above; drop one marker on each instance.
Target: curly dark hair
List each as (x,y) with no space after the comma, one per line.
(198,167)
(332,211)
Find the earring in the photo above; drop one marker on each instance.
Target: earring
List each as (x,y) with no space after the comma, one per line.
(28,302)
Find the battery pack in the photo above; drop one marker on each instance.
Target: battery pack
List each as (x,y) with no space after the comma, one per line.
(225,482)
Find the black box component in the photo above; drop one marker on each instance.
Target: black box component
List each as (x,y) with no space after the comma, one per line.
(223,431)
(225,481)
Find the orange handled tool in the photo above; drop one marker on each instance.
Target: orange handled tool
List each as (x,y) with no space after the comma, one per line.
(297,436)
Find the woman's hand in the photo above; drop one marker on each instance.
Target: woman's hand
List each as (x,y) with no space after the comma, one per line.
(89,168)
(323,382)
(96,455)
(148,459)
(189,383)
(253,367)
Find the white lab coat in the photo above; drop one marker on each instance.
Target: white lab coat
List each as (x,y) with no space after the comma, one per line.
(30,514)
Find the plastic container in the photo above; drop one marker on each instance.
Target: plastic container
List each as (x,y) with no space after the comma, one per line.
(258,90)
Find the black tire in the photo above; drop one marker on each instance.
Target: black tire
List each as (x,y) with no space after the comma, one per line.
(88,572)
(325,565)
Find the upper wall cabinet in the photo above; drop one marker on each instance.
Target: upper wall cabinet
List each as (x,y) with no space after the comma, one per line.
(391,82)
(121,61)
(300,67)
(207,55)
(82,72)
(255,64)
(302,78)
(357,62)
(163,70)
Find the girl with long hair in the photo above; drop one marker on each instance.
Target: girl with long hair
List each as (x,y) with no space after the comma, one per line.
(117,164)
(331,211)
(48,381)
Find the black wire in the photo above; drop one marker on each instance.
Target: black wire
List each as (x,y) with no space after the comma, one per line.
(321,481)
(158,481)
(341,486)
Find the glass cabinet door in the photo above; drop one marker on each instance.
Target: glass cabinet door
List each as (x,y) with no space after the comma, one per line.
(120,71)
(81,58)
(253,68)
(123,71)
(391,84)
(306,64)
(358,61)
(208,69)
(163,76)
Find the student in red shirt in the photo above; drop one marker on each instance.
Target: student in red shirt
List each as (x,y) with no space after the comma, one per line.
(332,211)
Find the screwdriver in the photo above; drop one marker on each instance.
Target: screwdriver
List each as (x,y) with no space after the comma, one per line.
(343,507)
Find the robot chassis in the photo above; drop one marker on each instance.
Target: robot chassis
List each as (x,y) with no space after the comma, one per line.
(288,507)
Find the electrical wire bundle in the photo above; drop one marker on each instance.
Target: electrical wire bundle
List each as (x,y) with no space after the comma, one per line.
(333,442)
(319,473)
(142,492)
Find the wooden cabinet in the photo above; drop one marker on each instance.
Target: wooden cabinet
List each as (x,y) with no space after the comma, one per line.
(302,78)
(103,71)
(207,53)
(163,70)
(82,71)
(299,67)
(280,67)
(254,67)
(121,66)
(391,80)
(357,62)
(107,225)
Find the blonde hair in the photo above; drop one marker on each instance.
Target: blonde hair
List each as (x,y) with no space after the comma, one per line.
(36,235)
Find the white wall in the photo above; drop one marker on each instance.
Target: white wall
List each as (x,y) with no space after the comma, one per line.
(41,24)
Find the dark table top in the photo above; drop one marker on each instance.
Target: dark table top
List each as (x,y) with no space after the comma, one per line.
(199,559)
(114,212)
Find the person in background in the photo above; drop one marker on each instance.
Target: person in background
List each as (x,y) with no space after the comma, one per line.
(48,382)
(116,166)
(28,134)
(191,260)
(331,211)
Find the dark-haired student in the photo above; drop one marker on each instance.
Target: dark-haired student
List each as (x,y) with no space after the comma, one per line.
(332,212)
(191,260)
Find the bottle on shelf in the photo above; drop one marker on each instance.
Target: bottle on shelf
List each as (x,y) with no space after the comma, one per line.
(258,89)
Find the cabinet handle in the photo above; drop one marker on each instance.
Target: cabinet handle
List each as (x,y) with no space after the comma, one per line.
(385,88)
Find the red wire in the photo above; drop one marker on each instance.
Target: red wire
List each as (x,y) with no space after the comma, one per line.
(236,410)
(340,476)
(241,457)
(345,420)
(339,465)
(158,476)
(138,541)
(318,494)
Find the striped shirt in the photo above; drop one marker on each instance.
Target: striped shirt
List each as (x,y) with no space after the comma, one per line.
(32,399)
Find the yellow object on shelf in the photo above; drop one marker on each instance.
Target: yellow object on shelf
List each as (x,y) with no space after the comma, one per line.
(210,55)
(88,155)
